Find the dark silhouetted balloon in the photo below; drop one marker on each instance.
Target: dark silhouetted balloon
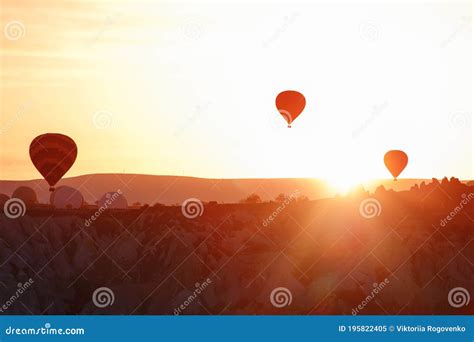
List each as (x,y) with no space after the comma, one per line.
(290,104)
(26,194)
(65,197)
(395,161)
(3,199)
(53,155)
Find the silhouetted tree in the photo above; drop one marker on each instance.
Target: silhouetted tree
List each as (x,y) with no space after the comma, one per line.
(302,199)
(281,198)
(251,199)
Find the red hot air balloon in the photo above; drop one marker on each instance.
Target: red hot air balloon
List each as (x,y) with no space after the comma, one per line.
(290,104)
(53,155)
(395,161)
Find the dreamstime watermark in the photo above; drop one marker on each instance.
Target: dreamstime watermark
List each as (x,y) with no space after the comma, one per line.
(199,288)
(288,199)
(287,21)
(108,202)
(462,25)
(287,116)
(275,123)
(376,112)
(192,208)
(46,330)
(281,297)
(14,30)
(110,20)
(377,287)
(459,297)
(14,208)
(192,30)
(102,119)
(369,31)
(21,289)
(370,208)
(459,119)
(465,200)
(200,109)
(18,115)
(102,297)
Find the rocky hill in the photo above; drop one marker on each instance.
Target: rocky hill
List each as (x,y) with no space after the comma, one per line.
(169,190)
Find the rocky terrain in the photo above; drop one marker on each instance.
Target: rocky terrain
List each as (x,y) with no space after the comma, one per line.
(381,253)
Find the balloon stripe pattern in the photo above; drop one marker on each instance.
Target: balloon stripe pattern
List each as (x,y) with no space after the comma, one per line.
(53,155)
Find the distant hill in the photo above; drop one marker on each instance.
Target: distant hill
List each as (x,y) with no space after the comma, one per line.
(150,189)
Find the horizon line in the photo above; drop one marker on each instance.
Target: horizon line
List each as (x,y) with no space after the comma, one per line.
(230,178)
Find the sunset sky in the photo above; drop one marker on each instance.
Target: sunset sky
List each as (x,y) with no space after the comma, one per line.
(189,89)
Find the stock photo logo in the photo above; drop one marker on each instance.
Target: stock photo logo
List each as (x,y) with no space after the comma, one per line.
(103,297)
(283,26)
(370,208)
(197,292)
(460,119)
(14,208)
(459,297)
(16,120)
(14,30)
(281,297)
(102,119)
(192,208)
(21,289)
(377,288)
(369,31)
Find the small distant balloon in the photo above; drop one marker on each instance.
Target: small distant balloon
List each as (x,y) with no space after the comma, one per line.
(290,104)
(53,155)
(66,197)
(395,161)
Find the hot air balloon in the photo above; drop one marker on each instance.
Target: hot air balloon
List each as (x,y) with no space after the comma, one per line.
(26,194)
(3,199)
(66,197)
(395,161)
(113,200)
(290,104)
(53,155)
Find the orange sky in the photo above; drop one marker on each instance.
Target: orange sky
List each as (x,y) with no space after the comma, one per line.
(161,88)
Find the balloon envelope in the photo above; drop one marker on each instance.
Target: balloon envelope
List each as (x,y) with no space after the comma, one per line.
(53,155)
(290,104)
(26,194)
(3,199)
(66,197)
(395,161)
